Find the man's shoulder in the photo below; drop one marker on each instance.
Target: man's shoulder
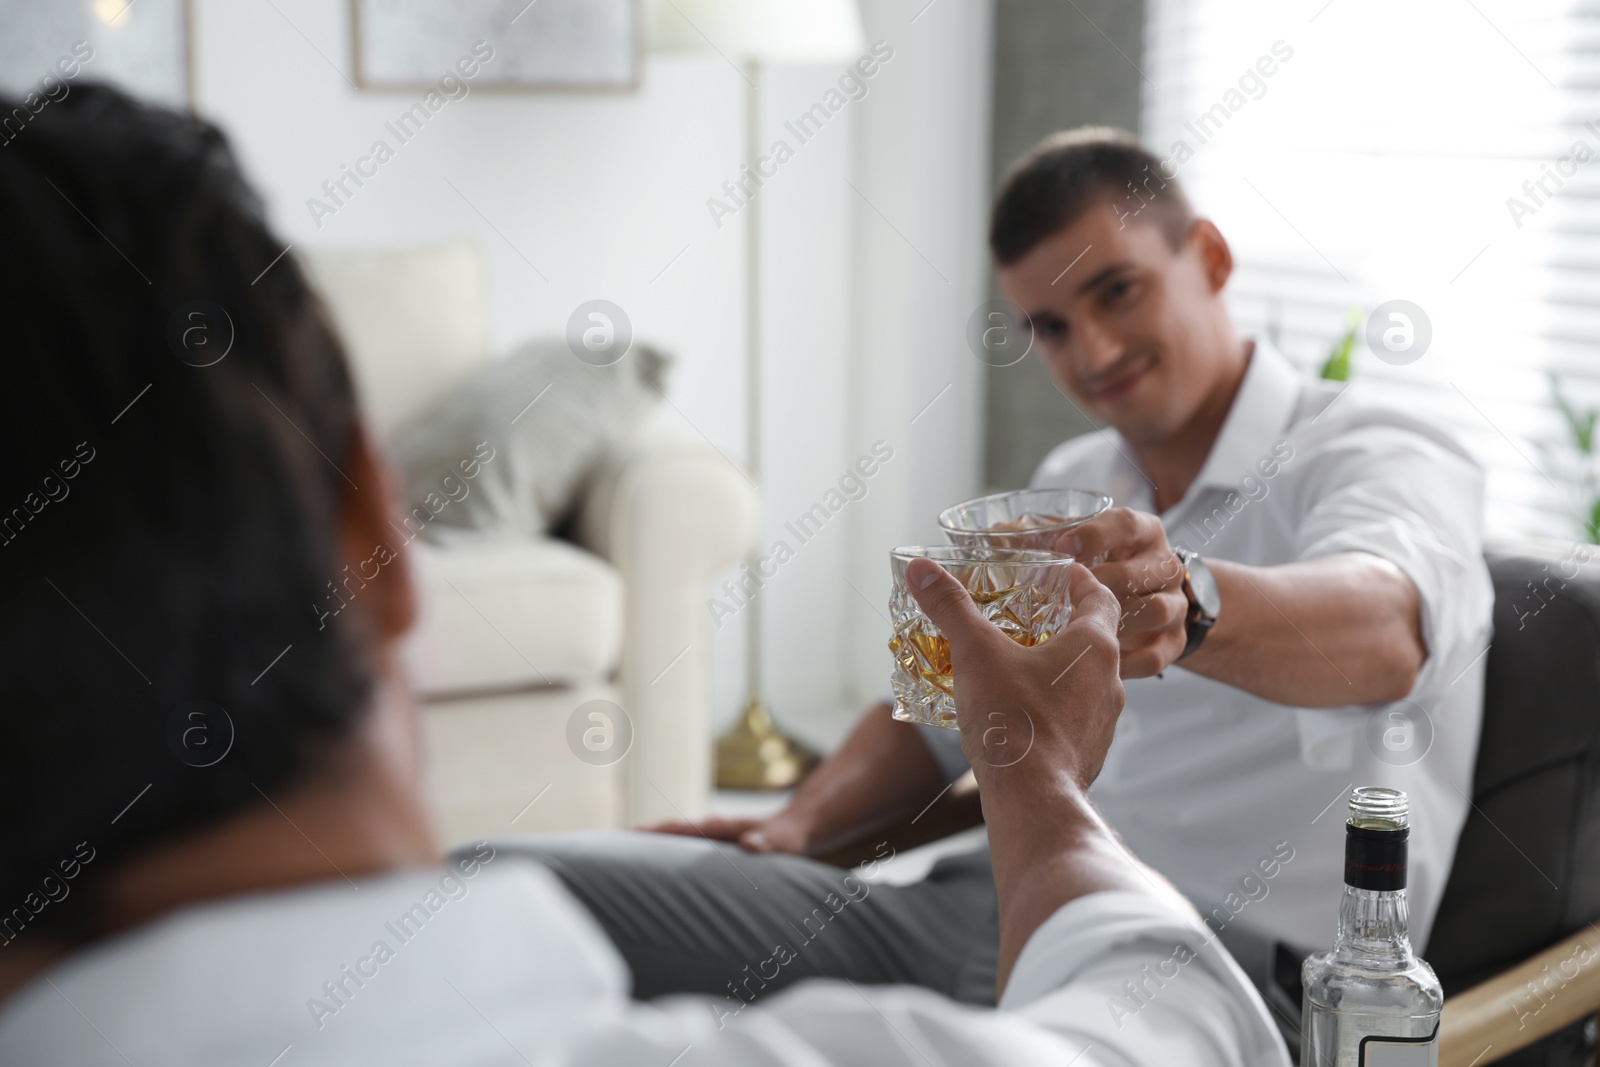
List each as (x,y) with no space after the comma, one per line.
(1352,420)
(1080,460)
(175,986)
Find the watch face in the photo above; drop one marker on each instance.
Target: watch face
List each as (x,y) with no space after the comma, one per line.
(1204,586)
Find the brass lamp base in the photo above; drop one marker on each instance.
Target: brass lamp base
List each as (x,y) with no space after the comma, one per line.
(755,755)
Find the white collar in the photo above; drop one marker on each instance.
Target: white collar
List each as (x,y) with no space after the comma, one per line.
(1260,414)
(1262,410)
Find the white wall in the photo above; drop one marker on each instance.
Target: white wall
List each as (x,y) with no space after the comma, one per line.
(867,290)
(599,192)
(806,217)
(923,267)
(596,192)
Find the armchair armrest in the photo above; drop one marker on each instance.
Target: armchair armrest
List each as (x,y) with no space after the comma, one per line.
(1522,1005)
(669,513)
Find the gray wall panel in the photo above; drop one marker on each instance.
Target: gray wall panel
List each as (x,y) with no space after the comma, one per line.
(1057,65)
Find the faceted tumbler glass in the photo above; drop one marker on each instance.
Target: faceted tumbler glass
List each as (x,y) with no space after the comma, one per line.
(1025,518)
(1021,591)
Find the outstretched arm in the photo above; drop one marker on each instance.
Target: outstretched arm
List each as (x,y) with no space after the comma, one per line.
(1080,919)
(1048,844)
(1341,629)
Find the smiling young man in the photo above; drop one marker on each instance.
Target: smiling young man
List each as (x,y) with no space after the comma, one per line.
(1329,605)
(1322,626)
(216,848)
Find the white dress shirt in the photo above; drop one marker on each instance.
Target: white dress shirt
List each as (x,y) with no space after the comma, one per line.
(506,968)
(1215,787)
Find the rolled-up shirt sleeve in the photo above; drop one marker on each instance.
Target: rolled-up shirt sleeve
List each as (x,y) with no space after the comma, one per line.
(1404,496)
(1111,980)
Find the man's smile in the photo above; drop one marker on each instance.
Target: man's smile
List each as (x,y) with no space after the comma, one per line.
(1123,381)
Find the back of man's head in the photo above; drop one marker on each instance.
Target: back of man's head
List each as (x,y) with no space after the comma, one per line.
(1067,174)
(168,513)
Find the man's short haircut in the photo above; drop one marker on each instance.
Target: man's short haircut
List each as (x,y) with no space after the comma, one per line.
(1070,172)
(172,524)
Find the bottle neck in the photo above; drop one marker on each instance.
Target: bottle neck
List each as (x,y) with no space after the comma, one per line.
(1374,924)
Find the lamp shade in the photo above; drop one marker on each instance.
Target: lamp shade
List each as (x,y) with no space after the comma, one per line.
(770,31)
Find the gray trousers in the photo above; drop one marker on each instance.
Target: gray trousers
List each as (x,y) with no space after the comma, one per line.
(694,916)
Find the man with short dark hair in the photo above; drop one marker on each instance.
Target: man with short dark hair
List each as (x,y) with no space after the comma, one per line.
(1304,608)
(216,850)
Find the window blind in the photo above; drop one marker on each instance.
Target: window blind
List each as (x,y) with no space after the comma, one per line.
(1442,152)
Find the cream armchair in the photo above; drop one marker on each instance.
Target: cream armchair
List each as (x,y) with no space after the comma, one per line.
(512,640)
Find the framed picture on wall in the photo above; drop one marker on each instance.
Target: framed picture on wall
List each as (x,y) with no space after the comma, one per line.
(533,44)
(141,46)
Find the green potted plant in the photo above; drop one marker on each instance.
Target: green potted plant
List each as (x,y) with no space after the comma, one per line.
(1583,474)
(1336,368)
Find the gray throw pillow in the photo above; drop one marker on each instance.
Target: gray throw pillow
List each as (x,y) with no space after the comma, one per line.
(505,453)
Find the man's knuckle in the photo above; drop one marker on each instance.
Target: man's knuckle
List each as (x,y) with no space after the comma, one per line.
(1172,610)
(1102,642)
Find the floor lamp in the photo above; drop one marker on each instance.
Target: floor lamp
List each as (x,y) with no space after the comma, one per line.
(750,34)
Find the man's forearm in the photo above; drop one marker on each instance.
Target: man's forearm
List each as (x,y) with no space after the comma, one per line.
(881,773)
(1049,847)
(1329,632)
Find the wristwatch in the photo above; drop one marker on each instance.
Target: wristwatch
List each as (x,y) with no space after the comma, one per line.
(1200,586)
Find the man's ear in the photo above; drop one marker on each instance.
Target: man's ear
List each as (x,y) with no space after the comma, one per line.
(1216,258)
(372,547)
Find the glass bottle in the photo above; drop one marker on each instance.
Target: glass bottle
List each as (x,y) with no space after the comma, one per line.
(1370,1001)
